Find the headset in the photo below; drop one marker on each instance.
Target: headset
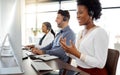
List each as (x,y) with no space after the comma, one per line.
(65,18)
(91,13)
(49,27)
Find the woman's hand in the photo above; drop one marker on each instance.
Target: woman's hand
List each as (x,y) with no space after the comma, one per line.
(69,49)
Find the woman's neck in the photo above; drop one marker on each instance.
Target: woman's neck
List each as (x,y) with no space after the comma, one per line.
(90,25)
(46,32)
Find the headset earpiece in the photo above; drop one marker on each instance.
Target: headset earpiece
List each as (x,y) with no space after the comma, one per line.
(49,27)
(91,13)
(65,18)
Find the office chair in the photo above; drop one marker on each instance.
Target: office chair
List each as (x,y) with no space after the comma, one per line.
(112,61)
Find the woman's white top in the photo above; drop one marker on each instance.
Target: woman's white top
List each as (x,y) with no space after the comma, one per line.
(46,41)
(93,47)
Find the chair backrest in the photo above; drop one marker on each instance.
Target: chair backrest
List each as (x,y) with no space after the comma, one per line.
(112,61)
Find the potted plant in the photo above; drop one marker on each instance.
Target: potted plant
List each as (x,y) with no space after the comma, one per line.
(35,31)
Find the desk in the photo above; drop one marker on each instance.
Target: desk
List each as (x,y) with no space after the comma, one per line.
(55,64)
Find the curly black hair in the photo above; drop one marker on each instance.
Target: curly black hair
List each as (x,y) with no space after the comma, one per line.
(93,6)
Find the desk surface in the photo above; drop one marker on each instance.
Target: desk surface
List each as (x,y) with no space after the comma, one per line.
(55,64)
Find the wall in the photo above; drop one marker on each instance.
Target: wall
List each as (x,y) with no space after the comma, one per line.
(0,17)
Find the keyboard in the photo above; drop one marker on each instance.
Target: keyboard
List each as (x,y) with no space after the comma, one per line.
(40,66)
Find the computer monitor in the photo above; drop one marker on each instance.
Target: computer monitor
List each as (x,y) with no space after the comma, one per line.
(11,24)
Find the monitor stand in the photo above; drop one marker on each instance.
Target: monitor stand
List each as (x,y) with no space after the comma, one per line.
(8,61)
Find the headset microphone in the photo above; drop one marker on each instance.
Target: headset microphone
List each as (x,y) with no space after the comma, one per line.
(87,22)
(91,13)
(60,23)
(64,19)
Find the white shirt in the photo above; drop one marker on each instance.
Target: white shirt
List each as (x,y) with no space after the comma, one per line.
(46,41)
(93,48)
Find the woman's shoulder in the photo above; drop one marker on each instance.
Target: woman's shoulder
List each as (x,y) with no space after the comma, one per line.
(49,34)
(100,29)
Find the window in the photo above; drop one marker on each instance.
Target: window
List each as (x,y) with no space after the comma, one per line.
(110,3)
(36,14)
(110,22)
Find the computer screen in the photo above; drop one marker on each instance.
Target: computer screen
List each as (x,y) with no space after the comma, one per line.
(11,25)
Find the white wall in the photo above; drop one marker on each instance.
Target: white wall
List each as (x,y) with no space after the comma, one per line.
(0,17)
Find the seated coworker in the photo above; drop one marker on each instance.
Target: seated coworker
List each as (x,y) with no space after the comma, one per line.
(91,47)
(54,48)
(47,38)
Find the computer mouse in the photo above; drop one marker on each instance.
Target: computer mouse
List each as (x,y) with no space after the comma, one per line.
(32,57)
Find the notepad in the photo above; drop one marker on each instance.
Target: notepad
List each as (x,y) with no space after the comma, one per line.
(46,57)
(40,66)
